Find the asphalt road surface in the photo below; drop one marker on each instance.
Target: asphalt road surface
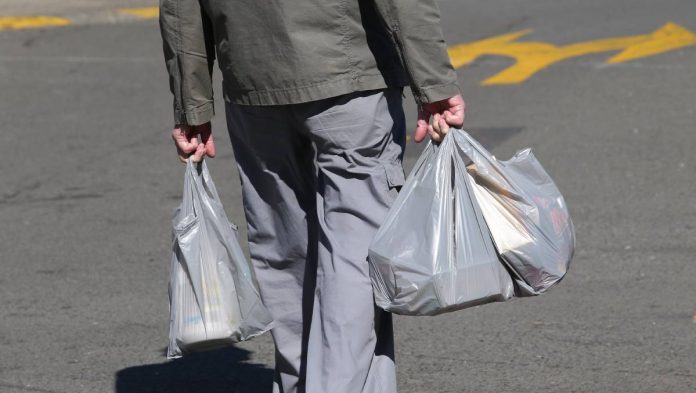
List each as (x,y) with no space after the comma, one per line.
(89,178)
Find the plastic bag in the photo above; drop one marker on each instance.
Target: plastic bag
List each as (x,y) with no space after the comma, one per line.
(433,253)
(213,299)
(525,213)
(467,229)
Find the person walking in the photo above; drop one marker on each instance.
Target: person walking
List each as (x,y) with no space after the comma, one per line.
(313,101)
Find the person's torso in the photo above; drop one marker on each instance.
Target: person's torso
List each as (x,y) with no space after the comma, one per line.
(292,51)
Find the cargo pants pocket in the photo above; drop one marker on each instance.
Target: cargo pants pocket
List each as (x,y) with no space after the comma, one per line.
(394,177)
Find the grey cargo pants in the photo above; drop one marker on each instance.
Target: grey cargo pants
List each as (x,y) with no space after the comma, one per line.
(317,181)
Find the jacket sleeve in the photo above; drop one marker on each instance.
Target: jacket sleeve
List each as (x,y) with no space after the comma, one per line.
(414,26)
(189,52)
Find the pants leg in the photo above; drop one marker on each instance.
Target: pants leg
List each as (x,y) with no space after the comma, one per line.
(276,167)
(359,141)
(309,233)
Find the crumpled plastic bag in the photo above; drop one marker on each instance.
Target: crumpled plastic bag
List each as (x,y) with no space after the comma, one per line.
(433,253)
(525,214)
(213,299)
(467,229)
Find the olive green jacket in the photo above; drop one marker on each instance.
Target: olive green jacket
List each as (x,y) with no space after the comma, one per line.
(291,51)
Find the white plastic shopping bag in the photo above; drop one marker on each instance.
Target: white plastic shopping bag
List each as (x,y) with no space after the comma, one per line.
(213,299)
(467,229)
(433,253)
(526,214)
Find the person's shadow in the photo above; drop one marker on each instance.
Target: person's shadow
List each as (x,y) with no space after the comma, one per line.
(218,371)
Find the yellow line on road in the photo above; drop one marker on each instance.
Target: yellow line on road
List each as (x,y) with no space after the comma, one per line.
(532,57)
(28,22)
(145,13)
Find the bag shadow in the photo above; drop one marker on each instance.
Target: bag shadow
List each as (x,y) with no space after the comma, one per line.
(224,370)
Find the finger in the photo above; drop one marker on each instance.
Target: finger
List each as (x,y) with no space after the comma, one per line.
(210,147)
(198,155)
(179,152)
(207,138)
(444,127)
(455,114)
(456,102)
(421,126)
(431,131)
(182,156)
(455,119)
(436,122)
(183,141)
(435,136)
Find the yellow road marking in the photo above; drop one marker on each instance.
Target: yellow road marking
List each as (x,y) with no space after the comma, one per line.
(145,13)
(532,57)
(671,36)
(27,22)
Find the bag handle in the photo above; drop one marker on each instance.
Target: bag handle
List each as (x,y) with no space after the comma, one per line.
(189,195)
(200,176)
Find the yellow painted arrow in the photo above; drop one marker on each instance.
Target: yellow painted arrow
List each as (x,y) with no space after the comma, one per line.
(532,57)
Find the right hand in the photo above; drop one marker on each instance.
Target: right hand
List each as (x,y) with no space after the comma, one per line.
(445,113)
(188,144)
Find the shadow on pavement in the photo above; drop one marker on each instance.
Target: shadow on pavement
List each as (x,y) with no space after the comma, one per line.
(225,370)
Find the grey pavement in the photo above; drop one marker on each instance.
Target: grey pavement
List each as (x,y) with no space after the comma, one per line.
(68,7)
(88,181)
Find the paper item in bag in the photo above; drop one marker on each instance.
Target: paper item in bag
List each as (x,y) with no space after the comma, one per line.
(502,219)
(525,213)
(433,253)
